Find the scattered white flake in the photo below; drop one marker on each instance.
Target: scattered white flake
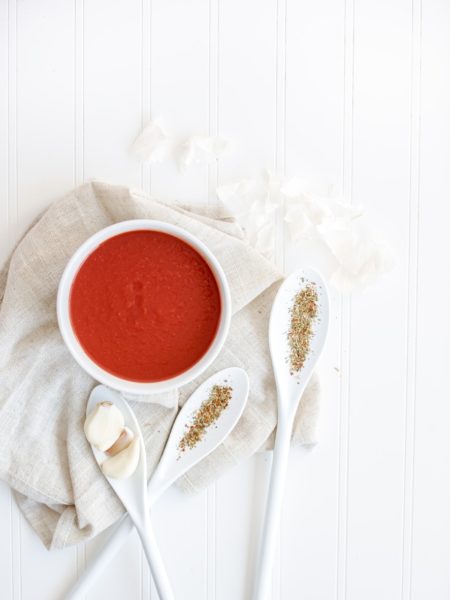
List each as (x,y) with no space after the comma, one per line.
(312,211)
(361,256)
(253,203)
(196,149)
(154,145)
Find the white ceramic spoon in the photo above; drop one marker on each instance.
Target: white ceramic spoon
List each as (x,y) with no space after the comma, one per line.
(290,389)
(173,465)
(132,491)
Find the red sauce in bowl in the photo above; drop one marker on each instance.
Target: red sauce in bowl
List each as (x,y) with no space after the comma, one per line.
(145,306)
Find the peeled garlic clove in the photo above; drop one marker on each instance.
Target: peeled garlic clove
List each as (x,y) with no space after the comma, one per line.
(122,442)
(124,464)
(103,425)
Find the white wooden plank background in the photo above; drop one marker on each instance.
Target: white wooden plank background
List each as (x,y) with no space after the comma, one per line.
(353,91)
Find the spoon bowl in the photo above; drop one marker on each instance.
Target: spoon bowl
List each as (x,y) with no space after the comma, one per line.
(290,387)
(172,465)
(132,491)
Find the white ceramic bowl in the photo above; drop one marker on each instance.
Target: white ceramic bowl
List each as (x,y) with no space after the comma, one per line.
(72,343)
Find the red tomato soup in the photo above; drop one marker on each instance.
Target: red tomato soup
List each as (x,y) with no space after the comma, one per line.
(145,306)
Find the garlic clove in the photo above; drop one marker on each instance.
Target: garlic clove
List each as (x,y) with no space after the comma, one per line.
(122,442)
(103,425)
(124,464)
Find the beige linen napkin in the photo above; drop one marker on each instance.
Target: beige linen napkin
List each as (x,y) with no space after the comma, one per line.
(44,455)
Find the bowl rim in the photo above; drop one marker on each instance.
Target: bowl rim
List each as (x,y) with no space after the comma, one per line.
(74,346)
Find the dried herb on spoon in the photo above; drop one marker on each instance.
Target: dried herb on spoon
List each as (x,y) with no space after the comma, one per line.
(303,313)
(208,413)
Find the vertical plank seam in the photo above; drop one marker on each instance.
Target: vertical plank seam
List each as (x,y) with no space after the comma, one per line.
(79,94)
(213,91)
(16,549)
(20,519)
(148,590)
(211,514)
(78,156)
(4,125)
(280,170)
(13,179)
(212,183)
(12,220)
(412,299)
(75,65)
(146,82)
(280,118)
(345,308)
(11,542)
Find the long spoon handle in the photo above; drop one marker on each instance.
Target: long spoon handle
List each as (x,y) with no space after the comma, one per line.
(119,533)
(116,539)
(154,559)
(273,509)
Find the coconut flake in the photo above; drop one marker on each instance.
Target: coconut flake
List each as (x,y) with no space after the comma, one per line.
(360,254)
(196,149)
(154,145)
(311,211)
(253,203)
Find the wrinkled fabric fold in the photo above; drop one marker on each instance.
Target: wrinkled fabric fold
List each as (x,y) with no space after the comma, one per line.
(45,457)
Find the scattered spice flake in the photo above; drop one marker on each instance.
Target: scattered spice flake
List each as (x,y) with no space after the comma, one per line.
(303,313)
(208,413)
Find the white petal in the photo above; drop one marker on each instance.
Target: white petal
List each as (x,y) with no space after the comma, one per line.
(361,256)
(298,222)
(301,185)
(311,211)
(196,149)
(246,197)
(152,145)
(265,240)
